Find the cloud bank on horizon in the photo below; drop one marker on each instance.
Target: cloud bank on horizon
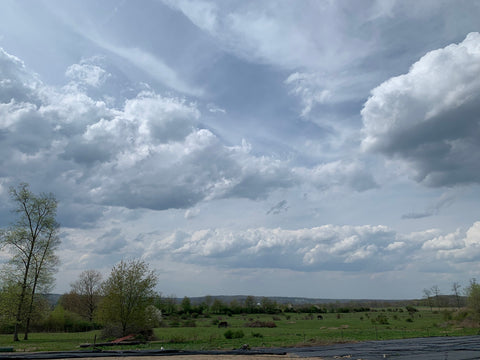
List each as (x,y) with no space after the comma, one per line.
(256,148)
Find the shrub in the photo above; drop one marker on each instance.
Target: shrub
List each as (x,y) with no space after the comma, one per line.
(381,319)
(257,335)
(447,315)
(175,339)
(7,327)
(111,332)
(461,315)
(174,323)
(258,323)
(189,323)
(237,334)
(61,320)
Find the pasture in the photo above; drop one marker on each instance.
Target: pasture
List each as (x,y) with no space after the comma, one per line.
(291,329)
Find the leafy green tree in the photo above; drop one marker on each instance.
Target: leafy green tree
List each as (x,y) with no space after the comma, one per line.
(235,306)
(217,307)
(167,304)
(269,306)
(8,305)
(250,304)
(31,242)
(128,291)
(473,298)
(186,305)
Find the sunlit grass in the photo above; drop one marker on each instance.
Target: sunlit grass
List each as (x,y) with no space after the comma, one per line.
(291,330)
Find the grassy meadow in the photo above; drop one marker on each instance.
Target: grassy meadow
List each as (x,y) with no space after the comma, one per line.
(291,329)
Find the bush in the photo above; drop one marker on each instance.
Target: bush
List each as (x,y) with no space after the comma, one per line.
(176,339)
(447,315)
(257,335)
(237,334)
(61,320)
(189,323)
(7,327)
(461,315)
(411,309)
(258,323)
(111,332)
(381,319)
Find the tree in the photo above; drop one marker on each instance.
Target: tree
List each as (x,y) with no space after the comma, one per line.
(436,292)
(217,307)
(473,298)
(8,304)
(456,292)
(269,306)
(128,291)
(85,294)
(427,294)
(186,305)
(168,304)
(32,241)
(250,304)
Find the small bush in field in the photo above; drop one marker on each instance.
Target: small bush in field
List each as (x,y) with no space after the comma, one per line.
(258,323)
(189,323)
(257,335)
(237,334)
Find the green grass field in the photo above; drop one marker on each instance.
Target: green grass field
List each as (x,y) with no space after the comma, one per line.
(291,329)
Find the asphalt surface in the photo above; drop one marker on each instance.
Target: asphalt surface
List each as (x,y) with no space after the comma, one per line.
(436,348)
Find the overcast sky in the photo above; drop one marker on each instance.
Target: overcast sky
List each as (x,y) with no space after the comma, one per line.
(325,149)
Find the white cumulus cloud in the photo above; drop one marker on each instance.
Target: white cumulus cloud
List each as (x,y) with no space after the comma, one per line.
(429,116)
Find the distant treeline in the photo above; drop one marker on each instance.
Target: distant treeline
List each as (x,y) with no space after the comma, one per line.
(241,304)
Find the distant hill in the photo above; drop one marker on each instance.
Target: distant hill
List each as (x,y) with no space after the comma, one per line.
(52,298)
(293,300)
(443,300)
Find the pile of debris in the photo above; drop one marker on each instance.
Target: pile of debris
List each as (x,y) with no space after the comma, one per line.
(126,340)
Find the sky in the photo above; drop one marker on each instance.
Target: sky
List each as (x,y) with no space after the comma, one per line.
(323,149)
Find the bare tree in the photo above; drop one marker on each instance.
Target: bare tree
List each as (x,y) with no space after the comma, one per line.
(427,294)
(436,292)
(32,241)
(456,292)
(88,290)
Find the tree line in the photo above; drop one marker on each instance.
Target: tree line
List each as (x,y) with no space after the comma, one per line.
(126,301)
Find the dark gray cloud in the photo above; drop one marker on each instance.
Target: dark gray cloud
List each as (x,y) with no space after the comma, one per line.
(278,208)
(444,201)
(149,153)
(429,116)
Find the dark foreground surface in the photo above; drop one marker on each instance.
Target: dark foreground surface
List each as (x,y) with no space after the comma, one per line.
(443,348)
(451,348)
